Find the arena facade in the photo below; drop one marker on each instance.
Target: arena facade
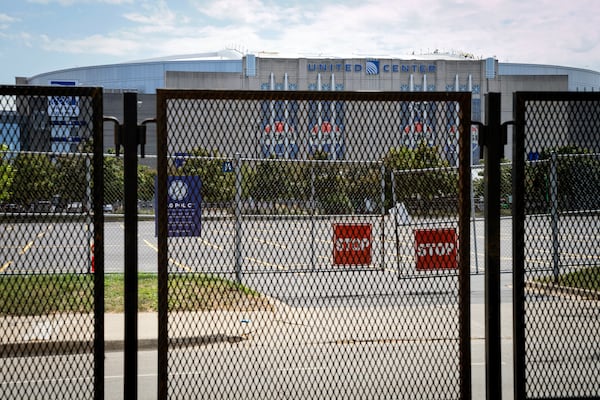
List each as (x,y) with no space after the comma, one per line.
(231,70)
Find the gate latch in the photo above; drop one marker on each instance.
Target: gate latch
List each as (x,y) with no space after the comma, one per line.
(483,138)
(141,134)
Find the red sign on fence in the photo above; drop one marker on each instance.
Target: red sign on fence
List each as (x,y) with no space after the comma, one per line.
(436,249)
(352,244)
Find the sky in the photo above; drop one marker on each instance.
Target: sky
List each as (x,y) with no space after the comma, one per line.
(38,36)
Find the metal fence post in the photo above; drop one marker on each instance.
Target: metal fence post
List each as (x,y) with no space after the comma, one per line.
(464,280)
(130,142)
(98,240)
(163,249)
(492,154)
(382,171)
(518,247)
(474,225)
(238,218)
(312,215)
(554,214)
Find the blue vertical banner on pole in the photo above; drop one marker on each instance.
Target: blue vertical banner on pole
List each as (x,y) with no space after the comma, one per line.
(184,206)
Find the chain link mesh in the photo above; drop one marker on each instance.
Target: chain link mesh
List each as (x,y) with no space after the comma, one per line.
(48,296)
(561,245)
(291,286)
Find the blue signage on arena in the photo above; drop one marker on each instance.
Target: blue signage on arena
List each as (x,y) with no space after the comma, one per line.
(372,67)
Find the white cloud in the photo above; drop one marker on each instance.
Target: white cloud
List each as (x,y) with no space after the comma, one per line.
(79,2)
(95,44)
(6,21)
(157,17)
(541,31)
(6,18)
(239,11)
(512,30)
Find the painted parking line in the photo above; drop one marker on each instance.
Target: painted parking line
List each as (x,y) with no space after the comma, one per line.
(270,243)
(577,256)
(267,264)
(171,260)
(26,248)
(153,247)
(210,244)
(5,266)
(180,265)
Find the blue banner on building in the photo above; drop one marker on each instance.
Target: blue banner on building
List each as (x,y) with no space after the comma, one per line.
(184,206)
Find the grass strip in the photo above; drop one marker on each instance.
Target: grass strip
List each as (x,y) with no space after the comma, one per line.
(74,293)
(584,278)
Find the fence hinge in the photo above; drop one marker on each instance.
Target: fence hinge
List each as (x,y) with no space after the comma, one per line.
(141,140)
(118,133)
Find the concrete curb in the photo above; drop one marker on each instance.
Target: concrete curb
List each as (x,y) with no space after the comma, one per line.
(554,289)
(54,334)
(28,349)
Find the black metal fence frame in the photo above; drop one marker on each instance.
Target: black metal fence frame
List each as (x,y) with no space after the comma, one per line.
(163,96)
(464,101)
(520,100)
(96,95)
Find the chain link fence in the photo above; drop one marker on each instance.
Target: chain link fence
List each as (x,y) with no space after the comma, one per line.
(557,258)
(50,300)
(261,204)
(277,254)
(426,213)
(309,244)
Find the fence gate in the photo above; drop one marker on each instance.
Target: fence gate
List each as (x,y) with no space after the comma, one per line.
(51,223)
(556,246)
(278,256)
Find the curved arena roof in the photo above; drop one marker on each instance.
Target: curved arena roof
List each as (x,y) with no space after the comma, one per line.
(144,76)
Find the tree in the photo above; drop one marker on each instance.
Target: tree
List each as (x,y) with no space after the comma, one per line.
(505,182)
(217,186)
(114,183)
(146,178)
(331,184)
(577,178)
(427,182)
(274,184)
(7,175)
(114,180)
(364,185)
(272,181)
(73,176)
(34,180)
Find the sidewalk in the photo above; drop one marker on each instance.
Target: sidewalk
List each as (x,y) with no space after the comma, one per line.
(74,333)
